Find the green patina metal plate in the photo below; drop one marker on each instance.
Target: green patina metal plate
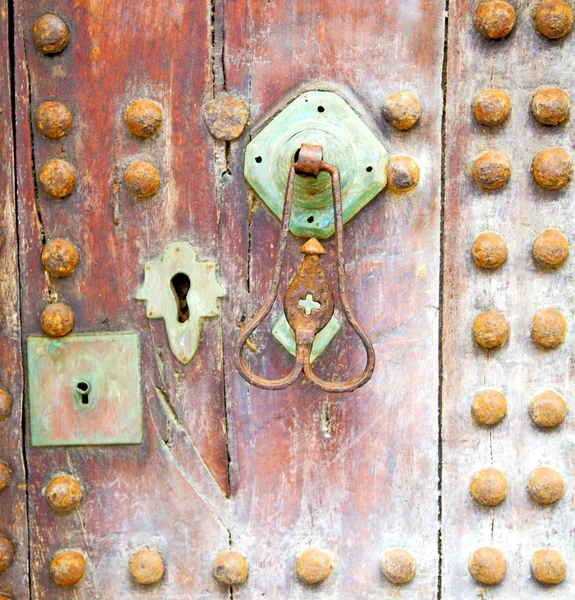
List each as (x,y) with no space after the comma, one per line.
(326,119)
(85,390)
(285,335)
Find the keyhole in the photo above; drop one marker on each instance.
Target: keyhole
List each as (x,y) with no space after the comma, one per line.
(181,286)
(84,388)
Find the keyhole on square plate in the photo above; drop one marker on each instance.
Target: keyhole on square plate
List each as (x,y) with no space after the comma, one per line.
(181,286)
(84,388)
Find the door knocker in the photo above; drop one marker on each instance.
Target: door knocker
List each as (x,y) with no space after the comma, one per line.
(308,302)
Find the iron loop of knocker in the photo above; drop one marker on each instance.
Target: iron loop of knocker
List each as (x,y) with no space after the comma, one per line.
(308,303)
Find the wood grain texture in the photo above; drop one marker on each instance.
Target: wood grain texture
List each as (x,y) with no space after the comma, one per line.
(13,517)
(168,493)
(520,65)
(355,474)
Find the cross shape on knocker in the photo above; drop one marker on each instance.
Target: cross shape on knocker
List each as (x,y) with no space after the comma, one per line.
(309,304)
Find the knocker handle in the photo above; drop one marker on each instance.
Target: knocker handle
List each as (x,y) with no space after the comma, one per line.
(308,302)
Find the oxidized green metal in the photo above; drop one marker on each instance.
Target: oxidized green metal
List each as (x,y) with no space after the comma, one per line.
(183,308)
(85,390)
(327,120)
(285,335)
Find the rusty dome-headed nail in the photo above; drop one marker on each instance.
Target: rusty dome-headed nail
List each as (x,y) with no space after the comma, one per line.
(495,19)
(68,568)
(401,110)
(489,407)
(550,249)
(147,567)
(144,117)
(549,328)
(548,566)
(5,405)
(58,178)
(64,494)
(491,329)
(226,116)
(53,119)
(554,18)
(60,258)
(488,566)
(142,179)
(548,409)
(314,565)
(550,106)
(51,34)
(402,173)
(5,597)
(489,250)
(492,107)
(6,554)
(5,474)
(491,170)
(489,487)
(231,568)
(57,319)
(552,168)
(546,486)
(398,566)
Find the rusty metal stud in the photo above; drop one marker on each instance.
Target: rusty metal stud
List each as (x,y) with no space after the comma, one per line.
(548,566)
(401,110)
(554,18)
(489,487)
(147,567)
(64,494)
(492,107)
(226,116)
(552,168)
(68,568)
(549,328)
(60,258)
(57,320)
(5,473)
(5,405)
(142,179)
(489,407)
(231,568)
(398,566)
(402,173)
(51,34)
(488,565)
(548,409)
(5,597)
(546,486)
(491,170)
(495,19)
(550,106)
(489,250)
(144,117)
(53,119)
(58,178)
(314,565)
(6,554)
(550,249)
(491,329)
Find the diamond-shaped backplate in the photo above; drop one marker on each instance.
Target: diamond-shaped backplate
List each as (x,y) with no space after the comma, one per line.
(326,119)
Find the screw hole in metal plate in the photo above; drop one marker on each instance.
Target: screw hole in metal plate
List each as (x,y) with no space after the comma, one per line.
(259,159)
(369,169)
(320,109)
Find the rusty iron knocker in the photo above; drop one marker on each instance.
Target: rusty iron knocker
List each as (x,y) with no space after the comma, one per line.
(308,303)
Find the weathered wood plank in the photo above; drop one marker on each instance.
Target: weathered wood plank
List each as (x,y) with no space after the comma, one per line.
(13,517)
(168,493)
(355,474)
(519,64)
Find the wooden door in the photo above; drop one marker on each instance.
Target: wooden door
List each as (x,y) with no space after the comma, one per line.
(203,463)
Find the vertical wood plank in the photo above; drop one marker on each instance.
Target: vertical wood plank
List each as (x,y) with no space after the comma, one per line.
(355,474)
(13,517)
(520,64)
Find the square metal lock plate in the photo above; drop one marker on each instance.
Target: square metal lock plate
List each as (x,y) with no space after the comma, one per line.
(85,390)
